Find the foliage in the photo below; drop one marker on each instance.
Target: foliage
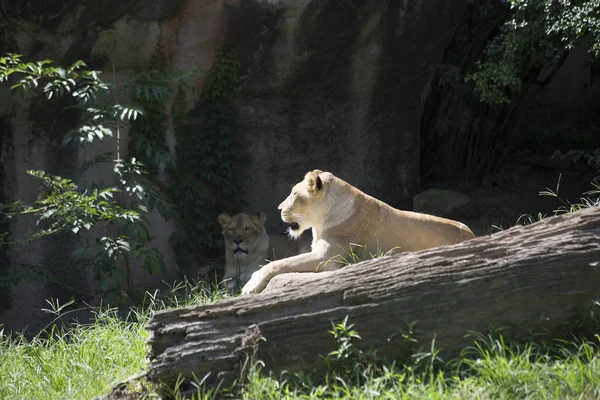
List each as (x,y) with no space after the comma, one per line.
(223,78)
(120,232)
(590,199)
(590,157)
(114,45)
(85,360)
(210,154)
(83,85)
(344,334)
(123,233)
(148,135)
(64,207)
(151,89)
(491,368)
(348,361)
(357,253)
(186,293)
(77,362)
(537,33)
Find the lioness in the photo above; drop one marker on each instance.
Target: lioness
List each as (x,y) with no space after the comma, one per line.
(248,246)
(342,216)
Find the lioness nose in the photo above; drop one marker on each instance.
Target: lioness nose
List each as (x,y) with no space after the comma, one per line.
(237,241)
(279,208)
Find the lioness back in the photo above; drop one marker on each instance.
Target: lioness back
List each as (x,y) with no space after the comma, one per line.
(431,231)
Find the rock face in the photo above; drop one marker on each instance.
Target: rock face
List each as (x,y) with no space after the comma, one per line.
(340,89)
(324,85)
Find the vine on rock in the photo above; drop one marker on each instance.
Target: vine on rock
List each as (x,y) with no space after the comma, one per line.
(210,153)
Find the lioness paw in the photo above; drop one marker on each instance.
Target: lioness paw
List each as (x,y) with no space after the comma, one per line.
(256,284)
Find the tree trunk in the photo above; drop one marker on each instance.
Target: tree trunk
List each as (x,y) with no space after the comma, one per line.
(511,279)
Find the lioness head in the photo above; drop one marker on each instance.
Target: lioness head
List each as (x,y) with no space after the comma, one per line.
(242,232)
(306,204)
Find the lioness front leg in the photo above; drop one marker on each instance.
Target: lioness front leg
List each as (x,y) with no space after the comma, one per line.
(308,262)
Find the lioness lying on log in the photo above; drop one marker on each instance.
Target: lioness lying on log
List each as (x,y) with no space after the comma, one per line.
(248,246)
(342,216)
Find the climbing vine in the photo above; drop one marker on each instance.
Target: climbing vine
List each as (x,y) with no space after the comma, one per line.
(210,154)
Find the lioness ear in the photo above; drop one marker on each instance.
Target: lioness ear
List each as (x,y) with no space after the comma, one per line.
(224,219)
(261,218)
(313,182)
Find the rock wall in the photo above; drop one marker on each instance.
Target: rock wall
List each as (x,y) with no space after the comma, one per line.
(340,88)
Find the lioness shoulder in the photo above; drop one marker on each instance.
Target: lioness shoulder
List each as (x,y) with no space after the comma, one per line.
(248,246)
(341,216)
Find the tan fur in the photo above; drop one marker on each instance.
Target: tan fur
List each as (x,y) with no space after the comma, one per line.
(254,246)
(342,216)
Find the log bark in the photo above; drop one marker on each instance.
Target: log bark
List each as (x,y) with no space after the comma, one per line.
(510,279)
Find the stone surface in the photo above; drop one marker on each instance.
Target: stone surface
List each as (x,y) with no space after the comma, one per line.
(330,87)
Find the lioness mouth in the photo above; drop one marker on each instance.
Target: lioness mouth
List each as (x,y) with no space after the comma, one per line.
(294,226)
(240,250)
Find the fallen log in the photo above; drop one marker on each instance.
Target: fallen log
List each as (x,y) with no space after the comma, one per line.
(510,279)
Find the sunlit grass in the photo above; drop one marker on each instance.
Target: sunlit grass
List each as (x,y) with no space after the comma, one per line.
(85,361)
(490,370)
(78,362)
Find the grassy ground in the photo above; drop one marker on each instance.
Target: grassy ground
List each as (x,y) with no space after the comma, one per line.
(85,361)
(76,363)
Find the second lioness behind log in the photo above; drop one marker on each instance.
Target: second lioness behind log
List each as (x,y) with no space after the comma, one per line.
(248,246)
(342,216)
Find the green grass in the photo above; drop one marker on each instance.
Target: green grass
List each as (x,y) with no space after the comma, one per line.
(491,370)
(357,253)
(85,361)
(78,362)
(589,199)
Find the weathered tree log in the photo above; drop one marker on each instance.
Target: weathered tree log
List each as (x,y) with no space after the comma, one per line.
(510,279)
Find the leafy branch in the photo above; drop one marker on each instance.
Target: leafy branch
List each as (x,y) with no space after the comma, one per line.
(537,33)
(122,233)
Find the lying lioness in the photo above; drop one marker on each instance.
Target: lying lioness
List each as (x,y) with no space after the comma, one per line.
(342,216)
(248,247)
